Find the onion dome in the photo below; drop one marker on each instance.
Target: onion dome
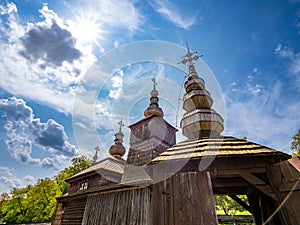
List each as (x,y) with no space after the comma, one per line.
(153,108)
(117,149)
(200,120)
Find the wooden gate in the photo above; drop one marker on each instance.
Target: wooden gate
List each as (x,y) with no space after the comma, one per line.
(185,198)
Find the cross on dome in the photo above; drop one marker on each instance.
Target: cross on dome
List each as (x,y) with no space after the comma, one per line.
(154,83)
(121,125)
(97,148)
(96,154)
(190,56)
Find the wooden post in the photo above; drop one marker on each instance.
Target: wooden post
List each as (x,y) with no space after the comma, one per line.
(185,198)
(58,214)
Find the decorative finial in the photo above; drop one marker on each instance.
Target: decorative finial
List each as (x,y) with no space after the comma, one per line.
(96,154)
(117,149)
(190,57)
(200,120)
(121,125)
(154,83)
(153,106)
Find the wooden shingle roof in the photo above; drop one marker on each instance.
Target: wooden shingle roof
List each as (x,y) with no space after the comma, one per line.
(223,146)
(111,164)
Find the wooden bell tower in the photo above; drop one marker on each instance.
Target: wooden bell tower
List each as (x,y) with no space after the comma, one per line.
(152,135)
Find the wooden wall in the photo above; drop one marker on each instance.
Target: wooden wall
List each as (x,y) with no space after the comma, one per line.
(94,181)
(285,177)
(131,206)
(185,198)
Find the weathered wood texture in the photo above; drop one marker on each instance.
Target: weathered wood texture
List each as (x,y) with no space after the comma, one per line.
(94,181)
(185,198)
(121,207)
(285,177)
(57,217)
(73,211)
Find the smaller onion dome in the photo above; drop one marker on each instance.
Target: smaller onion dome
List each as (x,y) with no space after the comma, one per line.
(117,149)
(153,108)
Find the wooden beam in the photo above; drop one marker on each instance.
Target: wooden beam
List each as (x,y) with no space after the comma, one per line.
(241,202)
(258,183)
(234,172)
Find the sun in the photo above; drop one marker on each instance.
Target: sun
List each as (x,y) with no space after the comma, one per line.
(87,29)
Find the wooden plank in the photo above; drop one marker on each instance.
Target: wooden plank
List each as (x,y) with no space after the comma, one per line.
(158,204)
(258,183)
(176,195)
(171,200)
(118,208)
(234,172)
(241,202)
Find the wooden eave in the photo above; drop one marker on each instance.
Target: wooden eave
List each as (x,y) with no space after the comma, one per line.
(148,118)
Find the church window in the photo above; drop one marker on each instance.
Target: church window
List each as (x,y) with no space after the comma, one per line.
(83,185)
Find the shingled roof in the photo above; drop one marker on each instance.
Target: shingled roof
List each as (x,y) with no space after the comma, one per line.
(110,164)
(222,146)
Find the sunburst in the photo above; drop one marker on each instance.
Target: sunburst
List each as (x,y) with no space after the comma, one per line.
(87,28)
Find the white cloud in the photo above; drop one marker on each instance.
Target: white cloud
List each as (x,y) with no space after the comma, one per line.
(110,14)
(293,61)
(50,60)
(254,89)
(8,179)
(262,119)
(117,85)
(116,43)
(170,12)
(30,66)
(23,131)
(29,179)
(284,51)
(250,78)
(11,8)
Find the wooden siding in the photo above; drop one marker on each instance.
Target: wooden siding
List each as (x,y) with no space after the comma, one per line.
(73,211)
(121,207)
(185,198)
(285,177)
(94,181)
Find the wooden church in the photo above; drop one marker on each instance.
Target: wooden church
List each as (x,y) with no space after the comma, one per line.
(167,183)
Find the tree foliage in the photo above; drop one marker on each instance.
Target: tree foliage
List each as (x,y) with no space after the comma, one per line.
(295,145)
(36,203)
(227,206)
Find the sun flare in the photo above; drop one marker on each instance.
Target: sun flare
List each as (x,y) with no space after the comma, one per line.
(88,29)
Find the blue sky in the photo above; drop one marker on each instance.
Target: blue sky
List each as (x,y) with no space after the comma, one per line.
(52,109)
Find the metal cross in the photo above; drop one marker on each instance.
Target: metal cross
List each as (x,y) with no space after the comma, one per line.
(96,155)
(154,83)
(97,148)
(190,57)
(121,124)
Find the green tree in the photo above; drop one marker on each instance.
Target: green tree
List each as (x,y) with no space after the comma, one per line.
(78,164)
(42,200)
(36,203)
(227,206)
(295,145)
(4,197)
(14,210)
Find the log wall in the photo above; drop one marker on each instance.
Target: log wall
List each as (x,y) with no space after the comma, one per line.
(285,177)
(185,198)
(131,206)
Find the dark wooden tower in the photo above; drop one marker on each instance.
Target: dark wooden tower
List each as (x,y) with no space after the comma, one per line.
(151,135)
